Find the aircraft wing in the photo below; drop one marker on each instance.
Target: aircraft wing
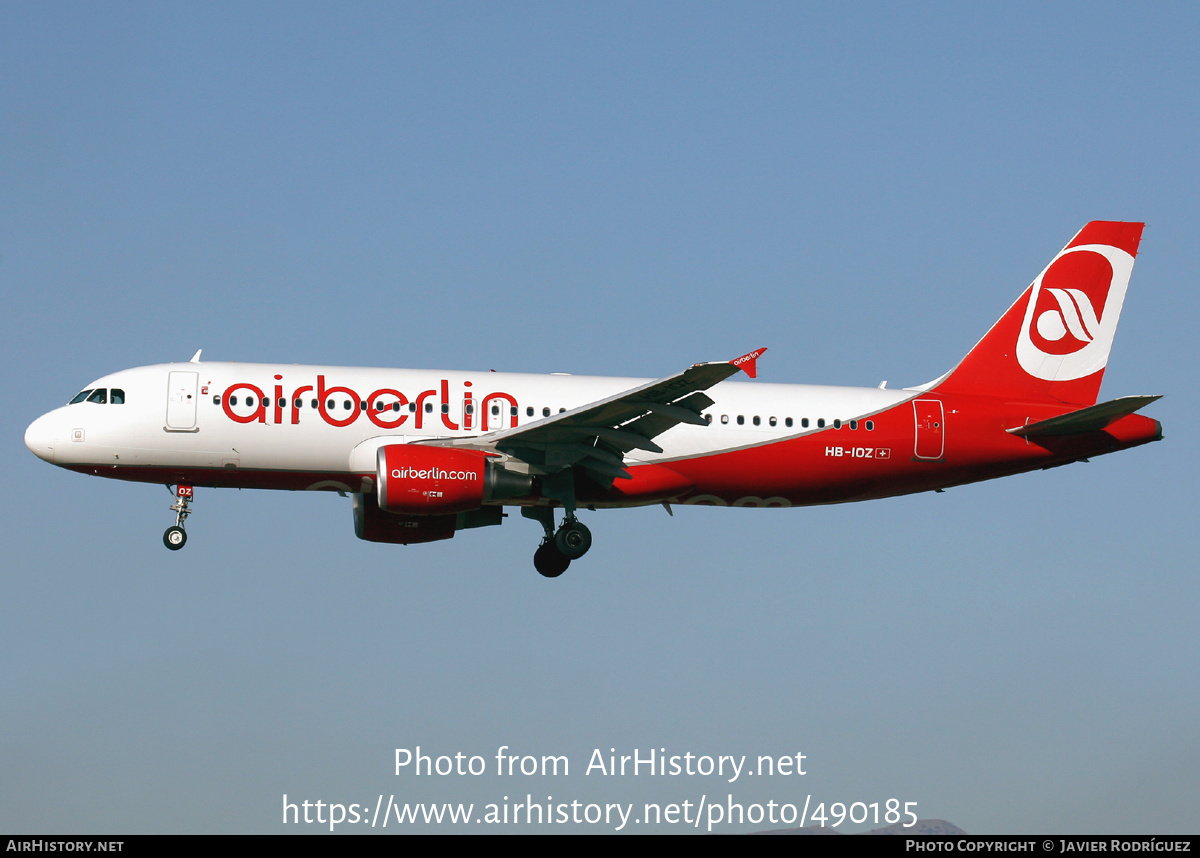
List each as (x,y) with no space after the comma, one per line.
(597,436)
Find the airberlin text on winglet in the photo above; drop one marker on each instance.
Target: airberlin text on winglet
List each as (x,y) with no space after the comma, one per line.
(747,363)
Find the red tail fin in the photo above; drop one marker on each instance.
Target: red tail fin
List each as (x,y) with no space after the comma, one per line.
(1053,343)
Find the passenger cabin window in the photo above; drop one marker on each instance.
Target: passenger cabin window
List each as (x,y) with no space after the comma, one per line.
(99,396)
(788,422)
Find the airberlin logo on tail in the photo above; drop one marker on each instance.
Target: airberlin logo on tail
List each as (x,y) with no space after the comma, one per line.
(1067,327)
(1072,313)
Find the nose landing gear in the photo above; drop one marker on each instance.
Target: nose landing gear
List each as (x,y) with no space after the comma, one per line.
(175,536)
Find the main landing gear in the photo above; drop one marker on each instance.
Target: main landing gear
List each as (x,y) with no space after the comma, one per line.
(571,541)
(175,536)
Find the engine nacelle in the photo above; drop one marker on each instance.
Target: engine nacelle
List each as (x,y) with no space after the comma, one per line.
(417,479)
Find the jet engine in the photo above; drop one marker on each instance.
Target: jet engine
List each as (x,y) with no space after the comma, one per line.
(416,479)
(425,494)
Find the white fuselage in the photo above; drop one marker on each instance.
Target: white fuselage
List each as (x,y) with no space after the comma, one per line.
(180,416)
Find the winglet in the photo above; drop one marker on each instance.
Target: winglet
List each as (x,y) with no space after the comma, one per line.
(196,356)
(746,363)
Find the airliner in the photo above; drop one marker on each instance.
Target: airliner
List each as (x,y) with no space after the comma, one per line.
(425,453)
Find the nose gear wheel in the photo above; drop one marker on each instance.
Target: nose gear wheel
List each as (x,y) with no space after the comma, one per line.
(175,538)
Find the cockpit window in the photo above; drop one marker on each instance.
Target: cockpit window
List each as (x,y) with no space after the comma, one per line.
(100,396)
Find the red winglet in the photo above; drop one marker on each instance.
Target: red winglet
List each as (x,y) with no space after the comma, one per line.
(746,363)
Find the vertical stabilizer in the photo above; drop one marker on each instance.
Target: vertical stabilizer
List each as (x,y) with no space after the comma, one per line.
(1053,343)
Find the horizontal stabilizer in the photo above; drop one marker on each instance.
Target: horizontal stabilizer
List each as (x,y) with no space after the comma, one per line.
(1090,419)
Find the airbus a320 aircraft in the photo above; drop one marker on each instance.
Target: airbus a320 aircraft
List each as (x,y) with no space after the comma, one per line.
(425,454)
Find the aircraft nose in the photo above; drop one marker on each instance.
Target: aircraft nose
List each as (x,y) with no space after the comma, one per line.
(39,438)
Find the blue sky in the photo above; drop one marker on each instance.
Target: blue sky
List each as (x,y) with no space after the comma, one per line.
(609,189)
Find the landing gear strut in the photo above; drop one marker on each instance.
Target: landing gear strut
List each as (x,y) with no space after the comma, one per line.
(558,549)
(175,536)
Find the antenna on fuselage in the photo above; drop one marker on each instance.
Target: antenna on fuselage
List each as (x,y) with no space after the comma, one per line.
(196,356)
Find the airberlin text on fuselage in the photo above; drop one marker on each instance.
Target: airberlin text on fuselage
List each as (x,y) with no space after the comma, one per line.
(272,409)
